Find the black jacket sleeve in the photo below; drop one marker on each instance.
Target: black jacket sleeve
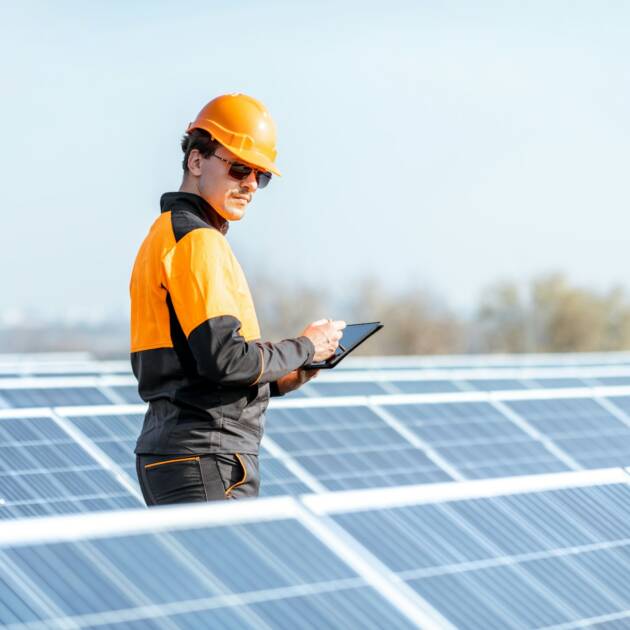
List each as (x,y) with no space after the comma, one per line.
(223,356)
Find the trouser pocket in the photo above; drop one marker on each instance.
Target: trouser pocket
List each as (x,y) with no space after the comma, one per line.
(166,480)
(199,478)
(240,476)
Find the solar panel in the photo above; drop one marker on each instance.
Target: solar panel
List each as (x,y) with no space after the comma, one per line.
(611,381)
(477,439)
(495,384)
(349,447)
(582,428)
(115,431)
(558,383)
(426,386)
(366,388)
(315,445)
(530,552)
(110,387)
(45,471)
(276,479)
(228,572)
(506,558)
(115,434)
(52,397)
(128,393)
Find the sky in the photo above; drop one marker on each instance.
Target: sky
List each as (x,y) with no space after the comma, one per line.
(431,144)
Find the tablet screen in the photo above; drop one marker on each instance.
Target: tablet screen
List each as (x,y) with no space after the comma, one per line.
(353,335)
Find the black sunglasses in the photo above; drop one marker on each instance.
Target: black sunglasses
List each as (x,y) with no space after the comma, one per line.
(241,171)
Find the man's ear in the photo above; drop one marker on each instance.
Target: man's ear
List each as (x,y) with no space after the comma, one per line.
(194,162)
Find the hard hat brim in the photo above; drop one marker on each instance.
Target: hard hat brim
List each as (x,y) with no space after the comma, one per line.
(255,159)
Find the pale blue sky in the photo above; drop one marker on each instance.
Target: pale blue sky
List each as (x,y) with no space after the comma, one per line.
(425,142)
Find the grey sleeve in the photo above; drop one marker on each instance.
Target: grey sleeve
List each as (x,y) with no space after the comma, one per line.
(284,357)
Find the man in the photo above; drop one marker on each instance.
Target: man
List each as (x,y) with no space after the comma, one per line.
(195,340)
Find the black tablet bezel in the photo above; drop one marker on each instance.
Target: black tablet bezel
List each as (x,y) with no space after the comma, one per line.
(335,360)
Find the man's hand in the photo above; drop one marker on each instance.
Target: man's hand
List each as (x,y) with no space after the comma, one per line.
(295,379)
(325,335)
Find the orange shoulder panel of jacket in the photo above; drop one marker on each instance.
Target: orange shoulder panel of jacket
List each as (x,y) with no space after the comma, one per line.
(205,280)
(150,324)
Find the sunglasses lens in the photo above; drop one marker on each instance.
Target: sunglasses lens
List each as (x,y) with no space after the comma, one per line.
(263,178)
(240,171)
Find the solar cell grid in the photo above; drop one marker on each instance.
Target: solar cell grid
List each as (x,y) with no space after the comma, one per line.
(495,384)
(611,380)
(129,393)
(477,439)
(347,388)
(44,471)
(526,560)
(268,574)
(349,447)
(583,428)
(425,386)
(558,383)
(622,403)
(114,434)
(52,397)
(276,479)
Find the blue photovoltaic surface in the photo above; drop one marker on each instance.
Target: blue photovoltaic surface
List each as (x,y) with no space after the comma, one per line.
(349,388)
(477,439)
(115,435)
(129,393)
(494,384)
(276,479)
(426,387)
(611,381)
(581,427)
(622,403)
(516,561)
(350,447)
(53,397)
(557,383)
(43,471)
(192,576)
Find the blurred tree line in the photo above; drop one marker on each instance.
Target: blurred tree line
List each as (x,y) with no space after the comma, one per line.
(547,314)
(552,315)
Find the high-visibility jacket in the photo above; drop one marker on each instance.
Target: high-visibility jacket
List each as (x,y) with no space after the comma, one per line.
(195,339)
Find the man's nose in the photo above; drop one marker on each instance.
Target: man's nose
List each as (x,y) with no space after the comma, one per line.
(250,182)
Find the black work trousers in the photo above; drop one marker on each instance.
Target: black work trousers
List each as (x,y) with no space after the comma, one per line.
(168,479)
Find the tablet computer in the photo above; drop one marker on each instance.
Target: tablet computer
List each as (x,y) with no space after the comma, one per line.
(353,336)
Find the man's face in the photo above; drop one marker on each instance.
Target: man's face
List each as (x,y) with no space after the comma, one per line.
(228,196)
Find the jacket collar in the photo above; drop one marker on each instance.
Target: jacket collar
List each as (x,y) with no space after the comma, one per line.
(195,204)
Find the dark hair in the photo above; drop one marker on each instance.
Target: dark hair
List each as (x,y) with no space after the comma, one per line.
(200,140)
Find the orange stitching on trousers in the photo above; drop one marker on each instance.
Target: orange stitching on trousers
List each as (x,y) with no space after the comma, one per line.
(172,461)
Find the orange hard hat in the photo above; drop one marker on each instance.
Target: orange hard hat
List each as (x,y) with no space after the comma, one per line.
(243,125)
